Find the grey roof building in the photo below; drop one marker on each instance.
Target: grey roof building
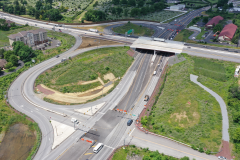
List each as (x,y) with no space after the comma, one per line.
(30,38)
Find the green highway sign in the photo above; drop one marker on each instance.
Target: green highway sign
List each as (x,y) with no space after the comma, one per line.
(133,114)
(130,31)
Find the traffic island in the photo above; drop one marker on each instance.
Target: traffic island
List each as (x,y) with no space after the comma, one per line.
(61,132)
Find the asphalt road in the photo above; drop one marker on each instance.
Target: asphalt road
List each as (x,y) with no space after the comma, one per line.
(22,97)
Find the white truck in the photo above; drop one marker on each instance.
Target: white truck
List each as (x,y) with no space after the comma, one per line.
(93,30)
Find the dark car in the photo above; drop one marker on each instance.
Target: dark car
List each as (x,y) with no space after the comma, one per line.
(129,122)
(57,56)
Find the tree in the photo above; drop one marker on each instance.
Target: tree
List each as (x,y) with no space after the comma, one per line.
(37,14)
(9,65)
(17,46)
(22,10)
(53,15)
(7,55)
(205,19)
(16,2)
(17,10)
(119,11)
(48,1)
(123,1)
(125,12)
(115,2)
(14,60)
(25,53)
(94,15)
(40,17)
(132,2)
(140,3)
(218,27)
(38,5)
(236,135)
(1,53)
(113,10)
(134,12)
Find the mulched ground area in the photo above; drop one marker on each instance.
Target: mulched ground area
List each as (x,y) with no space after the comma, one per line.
(225,150)
(45,91)
(130,52)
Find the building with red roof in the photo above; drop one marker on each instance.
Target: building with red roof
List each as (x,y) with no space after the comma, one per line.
(214,20)
(227,32)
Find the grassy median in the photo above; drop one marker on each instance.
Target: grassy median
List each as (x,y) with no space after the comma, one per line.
(138,29)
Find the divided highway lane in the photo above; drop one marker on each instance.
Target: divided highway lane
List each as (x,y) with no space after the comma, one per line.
(114,97)
(209,53)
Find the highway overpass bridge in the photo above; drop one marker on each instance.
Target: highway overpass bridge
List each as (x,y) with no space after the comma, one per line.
(158,44)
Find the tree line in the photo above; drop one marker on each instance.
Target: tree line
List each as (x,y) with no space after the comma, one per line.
(42,10)
(20,51)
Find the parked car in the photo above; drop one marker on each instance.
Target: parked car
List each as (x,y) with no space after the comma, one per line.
(221,158)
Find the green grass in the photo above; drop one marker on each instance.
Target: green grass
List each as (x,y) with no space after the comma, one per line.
(183,35)
(4,40)
(199,36)
(142,153)
(80,88)
(210,69)
(222,88)
(185,111)
(85,67)
(138,30)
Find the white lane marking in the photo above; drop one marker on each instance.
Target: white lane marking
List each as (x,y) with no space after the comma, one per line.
(131,132)
(109,147)
(49,139)
(21,106)
(31,111)
(36,109)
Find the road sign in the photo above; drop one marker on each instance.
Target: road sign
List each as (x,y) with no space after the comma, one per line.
(130,31)
(133,114)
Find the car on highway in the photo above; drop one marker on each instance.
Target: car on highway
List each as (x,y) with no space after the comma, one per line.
(74,120)
(155,72)
(146,98)
(35,24)
(57,56)
(98,147)
(193,38)
(129,122)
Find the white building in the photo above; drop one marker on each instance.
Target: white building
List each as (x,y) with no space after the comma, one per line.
(177,7)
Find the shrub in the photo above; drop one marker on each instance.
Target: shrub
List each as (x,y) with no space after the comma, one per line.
(185,158)
(9,65)
(194,147)
(201,149)
(208,152)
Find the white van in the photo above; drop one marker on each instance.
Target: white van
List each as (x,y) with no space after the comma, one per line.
(155,72)
(98,147)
